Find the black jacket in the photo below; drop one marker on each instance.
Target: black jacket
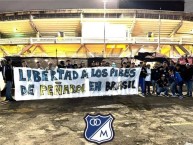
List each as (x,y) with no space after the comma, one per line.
(188,73)
(8,73)
(143,73)
(162,83)
(155,74)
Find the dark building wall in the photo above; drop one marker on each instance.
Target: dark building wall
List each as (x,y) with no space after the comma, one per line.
(174,5)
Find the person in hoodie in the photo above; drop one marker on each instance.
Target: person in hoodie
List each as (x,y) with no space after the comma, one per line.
(175,81)
(188,78)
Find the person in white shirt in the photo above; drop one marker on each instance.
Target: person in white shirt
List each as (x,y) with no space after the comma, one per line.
(148,80)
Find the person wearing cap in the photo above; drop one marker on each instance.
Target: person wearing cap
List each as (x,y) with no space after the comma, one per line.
(162,86)
(188,79)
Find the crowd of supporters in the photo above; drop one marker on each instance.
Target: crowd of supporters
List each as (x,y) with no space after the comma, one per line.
(167,78)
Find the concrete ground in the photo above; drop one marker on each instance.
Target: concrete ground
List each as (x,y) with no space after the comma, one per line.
(138,121)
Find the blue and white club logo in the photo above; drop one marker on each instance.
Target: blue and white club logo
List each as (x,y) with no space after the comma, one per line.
(99,128)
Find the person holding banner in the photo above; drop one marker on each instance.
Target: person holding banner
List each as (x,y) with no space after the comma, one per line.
(24,64)
(38,65)
(69,64)
(61,65)
(50,66)
(142,77)
(82,65)
(8,78)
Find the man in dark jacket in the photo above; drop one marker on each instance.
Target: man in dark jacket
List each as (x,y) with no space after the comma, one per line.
(188,77)
(155,75)
(142,77)
(164,69)
(8,78)
(62,64)
(69,64)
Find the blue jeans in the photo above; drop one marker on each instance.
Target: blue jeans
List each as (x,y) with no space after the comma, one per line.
(174,86)
(189,87)
(142,84)
(8,90)
(162,89)
(147,86)
(154,85)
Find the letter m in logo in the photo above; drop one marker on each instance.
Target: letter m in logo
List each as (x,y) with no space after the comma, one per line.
(103,133)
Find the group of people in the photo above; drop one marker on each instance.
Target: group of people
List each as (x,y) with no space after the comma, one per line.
(62,64)
(163,77)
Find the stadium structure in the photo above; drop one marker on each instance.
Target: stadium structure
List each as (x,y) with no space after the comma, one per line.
(88,33)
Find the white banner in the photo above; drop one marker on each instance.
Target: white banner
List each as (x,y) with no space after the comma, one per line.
(34,84)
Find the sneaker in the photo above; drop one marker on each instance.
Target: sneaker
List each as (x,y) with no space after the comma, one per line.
(3,102)
(142,95)
(165,95)
(180,97)
(12,100)
(174,96)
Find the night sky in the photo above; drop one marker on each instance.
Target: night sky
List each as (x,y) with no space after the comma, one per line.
(174,5)
(16,5)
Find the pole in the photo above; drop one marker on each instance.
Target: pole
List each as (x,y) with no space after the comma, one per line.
(104,49)
(57,56)
(159,31)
